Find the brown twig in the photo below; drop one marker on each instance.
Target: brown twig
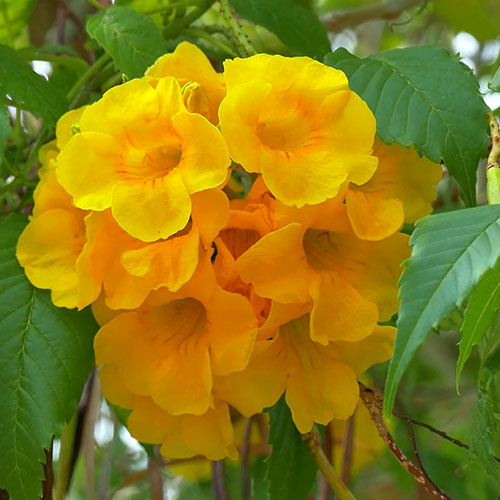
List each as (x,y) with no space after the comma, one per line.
(219,486)
(49,474)
(245,452)
(493,166)
(374,403)
(348,18)
(155,479)
(348,447)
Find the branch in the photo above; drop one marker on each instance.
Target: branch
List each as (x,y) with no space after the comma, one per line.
(374,403)
(313,441)
(493,167)
(348,18)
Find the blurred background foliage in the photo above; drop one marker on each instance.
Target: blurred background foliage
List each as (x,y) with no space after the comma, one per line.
(51,35)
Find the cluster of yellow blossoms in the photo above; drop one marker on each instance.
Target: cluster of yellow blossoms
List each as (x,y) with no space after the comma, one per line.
(207,303)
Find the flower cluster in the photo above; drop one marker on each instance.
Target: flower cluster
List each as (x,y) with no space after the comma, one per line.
(213,296)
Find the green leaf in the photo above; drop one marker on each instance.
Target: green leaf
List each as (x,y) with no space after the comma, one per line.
(479,315)
(451,251)
(424,97)
(28,89)
(46,357)
(132,39)
(291,470)
(13,18)
(4,128)
(295,25)
(495,82)
(485,425)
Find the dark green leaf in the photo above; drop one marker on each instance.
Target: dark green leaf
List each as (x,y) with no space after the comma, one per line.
(451,251)
(295,25)
(485,424)
(4,128)
(424,97)
(46,357)
(27,88)
(291,470)
(479,315)
(495,81)
(132,39)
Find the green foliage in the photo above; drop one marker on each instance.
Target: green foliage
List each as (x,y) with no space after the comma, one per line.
(132,39)
(4,128)
(481,18)
(46,357)
(291,471)
(495,81)
(295,25)
(425,98)
(28,89)
(451,251)
(13,17)
(479,315)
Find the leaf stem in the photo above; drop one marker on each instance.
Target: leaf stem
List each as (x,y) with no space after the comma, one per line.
(313,441)
(243,42)
(493,166)
(100,63)
(172,6)
(96,4)
(210,39)
(175,28)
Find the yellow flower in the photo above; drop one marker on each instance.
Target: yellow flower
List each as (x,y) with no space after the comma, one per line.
(171,347)
(320,381)
(142,154)
(296,121)
(401,190)
(202,87)
(313,256)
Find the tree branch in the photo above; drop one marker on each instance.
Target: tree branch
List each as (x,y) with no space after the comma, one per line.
(374,403)
(348,18)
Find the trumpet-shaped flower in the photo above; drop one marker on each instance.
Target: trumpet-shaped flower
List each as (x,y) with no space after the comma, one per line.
(142,154)
(296,121)
(401,190)
(202,87)
(170,348)
(320,381)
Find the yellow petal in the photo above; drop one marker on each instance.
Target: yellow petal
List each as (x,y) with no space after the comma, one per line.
(210,434)
(260,385)
(189,64)
(65,126)
(87,168)
(205,157)
(152,209)
(340,312)
(376,348)
(277,267)
(114,389)
(239,115)
(374,217)
(319,387)
(210,213)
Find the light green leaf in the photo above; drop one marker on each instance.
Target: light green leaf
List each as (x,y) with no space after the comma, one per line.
(495,81)
(132,39)
(14,15)
(479,315)
(424,97)
(451,251)
(4,128)
(28,89)
(46,357)
(295,25)
(291,470)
